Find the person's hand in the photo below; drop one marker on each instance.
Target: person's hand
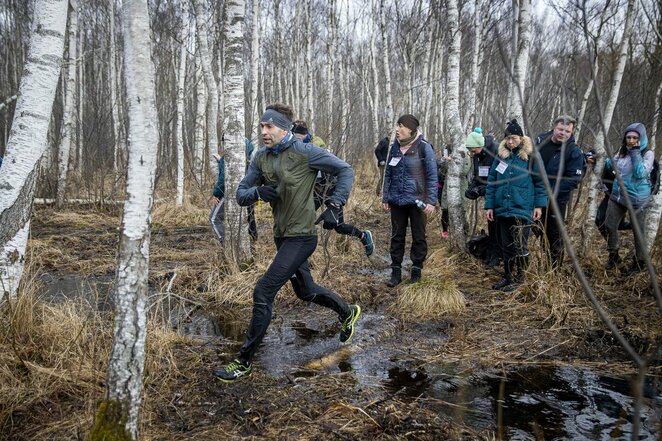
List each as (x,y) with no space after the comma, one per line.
(537,213)
(385,206)
(214,201)
(382,163)
(490,215)
(429,209)
(267,193)
(217,157)
(330,217)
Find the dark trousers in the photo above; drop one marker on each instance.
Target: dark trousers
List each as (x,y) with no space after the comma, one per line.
(290,263)
(252,225)
(513,239)
(553,242)
(615,215)
(342,228)
(401,216)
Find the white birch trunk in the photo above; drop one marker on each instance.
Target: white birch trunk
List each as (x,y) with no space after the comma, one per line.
(28,137)
(310,108)
(179,122)
(255,70)
(376,89)
(68,114)
(459,155)
(470,119)
(512,81)
(236,235)
(390,112)
(655,211)
(199,145)
(585,98)
(598,146)
(429,56)
(118,413)
(332,31)
(212,88)
(80,94)
(114,101)
(524,30)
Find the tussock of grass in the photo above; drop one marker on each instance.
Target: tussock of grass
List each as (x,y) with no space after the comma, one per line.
(169,215)
(430,299)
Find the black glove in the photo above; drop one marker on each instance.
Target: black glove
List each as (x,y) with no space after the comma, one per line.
(331,217)
(267,193)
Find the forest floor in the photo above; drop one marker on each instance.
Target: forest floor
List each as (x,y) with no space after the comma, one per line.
(487,371)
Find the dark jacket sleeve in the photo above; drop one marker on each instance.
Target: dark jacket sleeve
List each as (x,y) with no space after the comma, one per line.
(381,151)
(247,190)
(490,191)
(539,193)
(219,188)
(387,181)
(323,160)
(431,175)
(572,174)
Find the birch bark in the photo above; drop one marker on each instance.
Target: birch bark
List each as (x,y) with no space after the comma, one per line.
(68,116)
(390,113)
(28,137)
(199,131)
(212,88)
(459,155)
(655,211)
(524,30)
(236,236)
(118,412)
(255,70)
(179,122)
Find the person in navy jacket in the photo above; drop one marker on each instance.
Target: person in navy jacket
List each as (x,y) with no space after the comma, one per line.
(410,176)
(564,166)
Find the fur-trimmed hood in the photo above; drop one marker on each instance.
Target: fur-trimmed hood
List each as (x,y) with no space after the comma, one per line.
(526,147)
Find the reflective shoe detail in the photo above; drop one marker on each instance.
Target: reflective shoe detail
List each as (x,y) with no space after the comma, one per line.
(347,327)
(233,371)
(368,243)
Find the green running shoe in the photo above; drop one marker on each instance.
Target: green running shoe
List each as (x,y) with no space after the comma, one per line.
(233,371)
(347,327)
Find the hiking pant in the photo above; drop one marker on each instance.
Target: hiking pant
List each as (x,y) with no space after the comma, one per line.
(216,218)
(615,214)
(290,263)
(252,225)
(553,234)
(342,227)
(401,215)
(513,238)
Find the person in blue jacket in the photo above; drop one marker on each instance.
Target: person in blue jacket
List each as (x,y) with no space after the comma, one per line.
(514,198)
(410,193)
(634,162)
(564,166)
(217,214)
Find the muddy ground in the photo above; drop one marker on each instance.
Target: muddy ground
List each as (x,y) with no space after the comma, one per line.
(522,365)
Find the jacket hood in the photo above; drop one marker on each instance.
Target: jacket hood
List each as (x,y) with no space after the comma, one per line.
(641,130)
(525,149)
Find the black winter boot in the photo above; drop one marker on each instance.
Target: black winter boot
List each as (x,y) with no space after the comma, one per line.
(415,274)
(507,275)
(613,261)
(396,277)
(636,267)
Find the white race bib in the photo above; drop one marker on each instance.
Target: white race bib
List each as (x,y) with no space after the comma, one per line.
(483,171)
(501,167)
(394,161)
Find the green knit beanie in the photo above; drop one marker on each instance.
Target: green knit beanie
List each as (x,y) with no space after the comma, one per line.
(475,139)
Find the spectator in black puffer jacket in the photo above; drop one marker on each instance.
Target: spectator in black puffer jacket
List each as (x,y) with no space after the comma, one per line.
(482,150)
(564,166)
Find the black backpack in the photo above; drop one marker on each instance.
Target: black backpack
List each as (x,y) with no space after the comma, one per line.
(654,177)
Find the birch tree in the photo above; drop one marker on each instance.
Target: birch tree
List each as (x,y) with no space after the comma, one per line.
(255,70)
(199,124)
(390,112)
(117,413)
(28,137)
(310,103)
(234,129)
(459,155)
(470,118)
(179,121)
(523,42)
(605,119)
(120,147)
(210,81)
(68,117)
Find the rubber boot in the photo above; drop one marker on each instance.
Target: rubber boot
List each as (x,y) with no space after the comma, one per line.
(396,277)
(613,261)
(507,275)
(415,274)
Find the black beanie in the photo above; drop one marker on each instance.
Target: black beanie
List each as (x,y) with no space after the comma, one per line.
(512,128)
(300,129)
(409,121)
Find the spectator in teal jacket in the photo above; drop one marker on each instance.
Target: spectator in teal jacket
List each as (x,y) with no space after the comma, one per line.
(514,199)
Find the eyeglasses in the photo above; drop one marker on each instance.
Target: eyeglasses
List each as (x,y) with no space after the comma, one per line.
(631,137)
